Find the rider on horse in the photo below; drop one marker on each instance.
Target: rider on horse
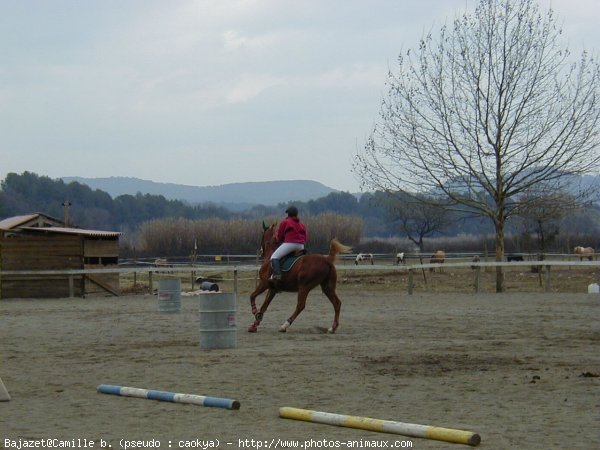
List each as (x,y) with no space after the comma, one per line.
(307,273)
(292,235)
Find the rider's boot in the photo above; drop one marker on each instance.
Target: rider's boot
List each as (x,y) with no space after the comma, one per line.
(276,266)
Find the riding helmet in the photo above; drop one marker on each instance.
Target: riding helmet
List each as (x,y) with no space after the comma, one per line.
(292,211)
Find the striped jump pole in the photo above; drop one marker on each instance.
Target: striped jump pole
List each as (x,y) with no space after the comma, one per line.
(165,396)
(382,426)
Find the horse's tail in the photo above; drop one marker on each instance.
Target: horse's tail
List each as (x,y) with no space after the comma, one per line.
(335,248)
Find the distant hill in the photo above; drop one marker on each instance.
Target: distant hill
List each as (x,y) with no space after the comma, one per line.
(236,196)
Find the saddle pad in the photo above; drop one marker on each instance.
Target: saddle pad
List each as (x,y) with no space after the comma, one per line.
(289,261)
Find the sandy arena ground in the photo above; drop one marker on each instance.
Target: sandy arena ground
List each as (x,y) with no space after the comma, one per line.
(521,370)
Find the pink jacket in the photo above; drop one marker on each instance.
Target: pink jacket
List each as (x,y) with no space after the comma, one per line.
(292,230)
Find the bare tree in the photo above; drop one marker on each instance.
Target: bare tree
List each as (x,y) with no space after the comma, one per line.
(542,214)
(417,219)
(489,109)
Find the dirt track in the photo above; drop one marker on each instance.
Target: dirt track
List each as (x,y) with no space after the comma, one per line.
(519,369)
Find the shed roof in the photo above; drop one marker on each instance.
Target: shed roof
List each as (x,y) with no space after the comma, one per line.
(39,219)
(42,223)
(75,231)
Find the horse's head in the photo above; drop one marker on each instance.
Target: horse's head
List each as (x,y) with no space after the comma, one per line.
(269,240)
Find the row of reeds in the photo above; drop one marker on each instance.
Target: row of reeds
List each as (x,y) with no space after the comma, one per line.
(180,237)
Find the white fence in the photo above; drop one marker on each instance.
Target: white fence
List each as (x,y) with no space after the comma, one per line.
(543,266)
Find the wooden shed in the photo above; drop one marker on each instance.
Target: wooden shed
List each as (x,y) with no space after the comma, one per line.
(40,242)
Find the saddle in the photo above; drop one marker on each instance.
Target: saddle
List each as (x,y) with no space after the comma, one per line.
(288,261)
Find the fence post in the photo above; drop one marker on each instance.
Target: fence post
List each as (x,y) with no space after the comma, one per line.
(477,278)
(71,286)
(410,281)
(548,280)
(235,281)
(150,281)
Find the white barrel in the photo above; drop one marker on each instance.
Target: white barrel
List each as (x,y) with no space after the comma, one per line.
(594,288)
(218,327)
(169,295)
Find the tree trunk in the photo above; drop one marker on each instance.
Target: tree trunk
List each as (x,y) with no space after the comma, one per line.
(542,237)
(499,255)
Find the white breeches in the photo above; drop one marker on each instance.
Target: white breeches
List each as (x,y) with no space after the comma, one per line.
(285,249)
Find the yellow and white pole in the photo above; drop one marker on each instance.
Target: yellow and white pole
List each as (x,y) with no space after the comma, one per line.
(382,426)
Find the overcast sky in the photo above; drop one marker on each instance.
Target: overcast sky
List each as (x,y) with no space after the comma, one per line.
(203,92)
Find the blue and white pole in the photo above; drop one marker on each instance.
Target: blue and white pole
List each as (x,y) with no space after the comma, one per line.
(165,396)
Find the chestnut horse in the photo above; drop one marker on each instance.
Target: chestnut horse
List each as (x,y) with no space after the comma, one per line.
(307,273)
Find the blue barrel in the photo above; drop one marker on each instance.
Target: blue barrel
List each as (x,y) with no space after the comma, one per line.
(209,286)
(218,327)
(169,295)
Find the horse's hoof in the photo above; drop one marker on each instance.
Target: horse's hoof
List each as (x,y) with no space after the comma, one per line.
(283,328)
(252,329)
(330,331)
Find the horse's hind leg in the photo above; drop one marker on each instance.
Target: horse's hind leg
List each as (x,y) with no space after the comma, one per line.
(329,291)
(300,304)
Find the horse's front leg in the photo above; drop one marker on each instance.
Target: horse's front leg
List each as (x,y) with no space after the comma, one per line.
(300,304)
(262,287)
(258,316)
